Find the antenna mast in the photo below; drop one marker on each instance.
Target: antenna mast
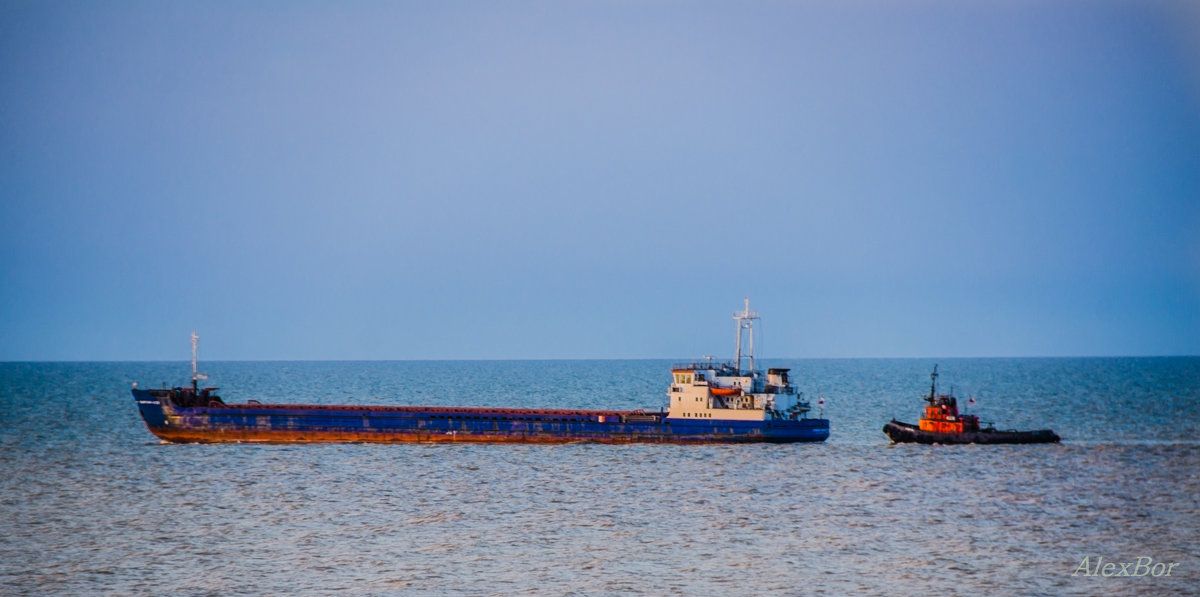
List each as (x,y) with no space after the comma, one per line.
(745,321)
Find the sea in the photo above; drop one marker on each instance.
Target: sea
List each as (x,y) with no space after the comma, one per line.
(92,504)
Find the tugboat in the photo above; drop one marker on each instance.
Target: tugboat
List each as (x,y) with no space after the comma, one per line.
(942,424)
(709,403)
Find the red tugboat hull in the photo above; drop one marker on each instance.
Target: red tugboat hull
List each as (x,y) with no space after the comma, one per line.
(901,433)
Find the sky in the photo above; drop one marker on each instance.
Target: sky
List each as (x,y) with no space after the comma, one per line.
(598,179)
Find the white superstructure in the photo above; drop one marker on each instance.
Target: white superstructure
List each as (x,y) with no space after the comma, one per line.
(725,391)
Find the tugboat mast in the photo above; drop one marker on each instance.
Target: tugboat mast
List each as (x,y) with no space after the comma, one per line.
(933,386)
(745,321)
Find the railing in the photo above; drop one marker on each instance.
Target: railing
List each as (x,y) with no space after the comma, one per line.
(703,365)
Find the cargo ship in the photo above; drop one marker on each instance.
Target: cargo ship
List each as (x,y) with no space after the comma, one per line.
(709,402)
(942,424)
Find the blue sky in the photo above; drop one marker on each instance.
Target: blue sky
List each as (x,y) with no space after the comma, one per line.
(362,180)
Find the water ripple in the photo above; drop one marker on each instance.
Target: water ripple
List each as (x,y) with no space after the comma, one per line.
(93,506)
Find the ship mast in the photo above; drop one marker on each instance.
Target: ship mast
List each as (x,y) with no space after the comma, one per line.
(745,321)
(196,375)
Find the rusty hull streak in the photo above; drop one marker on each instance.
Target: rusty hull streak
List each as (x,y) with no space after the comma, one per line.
(175,435)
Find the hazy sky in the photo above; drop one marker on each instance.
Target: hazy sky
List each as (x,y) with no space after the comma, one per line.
(362,180)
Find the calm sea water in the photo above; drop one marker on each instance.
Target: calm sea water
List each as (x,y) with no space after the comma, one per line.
(92,504)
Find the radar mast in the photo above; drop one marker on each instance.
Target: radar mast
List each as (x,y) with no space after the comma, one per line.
(745,321)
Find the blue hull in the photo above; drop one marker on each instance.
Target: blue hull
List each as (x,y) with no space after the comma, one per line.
(274,423)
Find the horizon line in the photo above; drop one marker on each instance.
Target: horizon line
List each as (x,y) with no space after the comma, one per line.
(571,359)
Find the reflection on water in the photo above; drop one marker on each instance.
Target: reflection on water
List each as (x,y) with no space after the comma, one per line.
(93,504)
